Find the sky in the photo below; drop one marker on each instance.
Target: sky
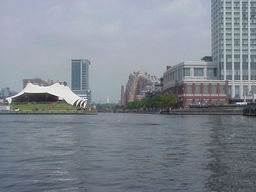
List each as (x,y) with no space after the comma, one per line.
(38,38)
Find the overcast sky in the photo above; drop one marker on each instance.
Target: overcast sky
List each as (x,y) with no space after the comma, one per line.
(38,38)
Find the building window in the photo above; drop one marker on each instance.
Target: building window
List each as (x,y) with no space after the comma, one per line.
(214,89)
(245,90)
(189,89)
(253,90)
(229,91)
(237,87)
(186,71)
(179,74)
(229,74)
(206,90)
(245,77)
(229,65)
(197,89)
(237,74)
(211,72)
(245,70)
(198,72)
(222,89)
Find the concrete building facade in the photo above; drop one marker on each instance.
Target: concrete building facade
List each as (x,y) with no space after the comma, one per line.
(234,45)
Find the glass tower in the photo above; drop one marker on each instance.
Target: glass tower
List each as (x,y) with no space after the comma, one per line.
(80,78)
(234,44)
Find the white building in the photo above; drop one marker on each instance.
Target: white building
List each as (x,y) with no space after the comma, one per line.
(189,71)
(234,44)
(53,93)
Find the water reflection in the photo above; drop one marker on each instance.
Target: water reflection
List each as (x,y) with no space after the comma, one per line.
(232,147)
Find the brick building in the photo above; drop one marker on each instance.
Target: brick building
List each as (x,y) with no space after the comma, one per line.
(139,83)
(195,82)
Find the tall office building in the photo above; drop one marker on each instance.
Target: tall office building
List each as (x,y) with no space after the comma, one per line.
(234,45)
(80,78)
(5,92)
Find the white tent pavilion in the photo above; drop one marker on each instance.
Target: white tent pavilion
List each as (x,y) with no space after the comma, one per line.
(57,90)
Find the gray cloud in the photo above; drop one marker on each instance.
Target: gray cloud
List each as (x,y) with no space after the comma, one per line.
(39,38)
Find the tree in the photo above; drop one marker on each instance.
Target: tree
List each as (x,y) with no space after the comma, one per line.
(169,99)
(158,100)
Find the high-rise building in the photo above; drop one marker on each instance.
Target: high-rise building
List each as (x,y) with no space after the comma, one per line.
(122,96)
(139,83)
(5,92)
(80,78)
(234,45)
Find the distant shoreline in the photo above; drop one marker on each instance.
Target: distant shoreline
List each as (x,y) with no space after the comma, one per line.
(188,111)
(191,111)
(48,112)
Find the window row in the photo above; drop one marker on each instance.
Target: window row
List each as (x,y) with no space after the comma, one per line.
(206,89)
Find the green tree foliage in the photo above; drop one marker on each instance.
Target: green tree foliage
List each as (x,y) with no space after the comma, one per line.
(156,101)
(169,99)
(133,105)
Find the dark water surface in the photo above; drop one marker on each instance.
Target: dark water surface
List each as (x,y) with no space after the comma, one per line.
(127,152)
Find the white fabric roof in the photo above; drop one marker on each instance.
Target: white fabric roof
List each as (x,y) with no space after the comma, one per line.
(57,89)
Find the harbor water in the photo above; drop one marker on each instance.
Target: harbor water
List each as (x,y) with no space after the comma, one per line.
(127,152)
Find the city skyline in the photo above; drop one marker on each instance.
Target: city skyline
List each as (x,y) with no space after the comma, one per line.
(118,37)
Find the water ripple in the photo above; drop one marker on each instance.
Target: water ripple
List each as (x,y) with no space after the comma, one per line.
(127,152)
